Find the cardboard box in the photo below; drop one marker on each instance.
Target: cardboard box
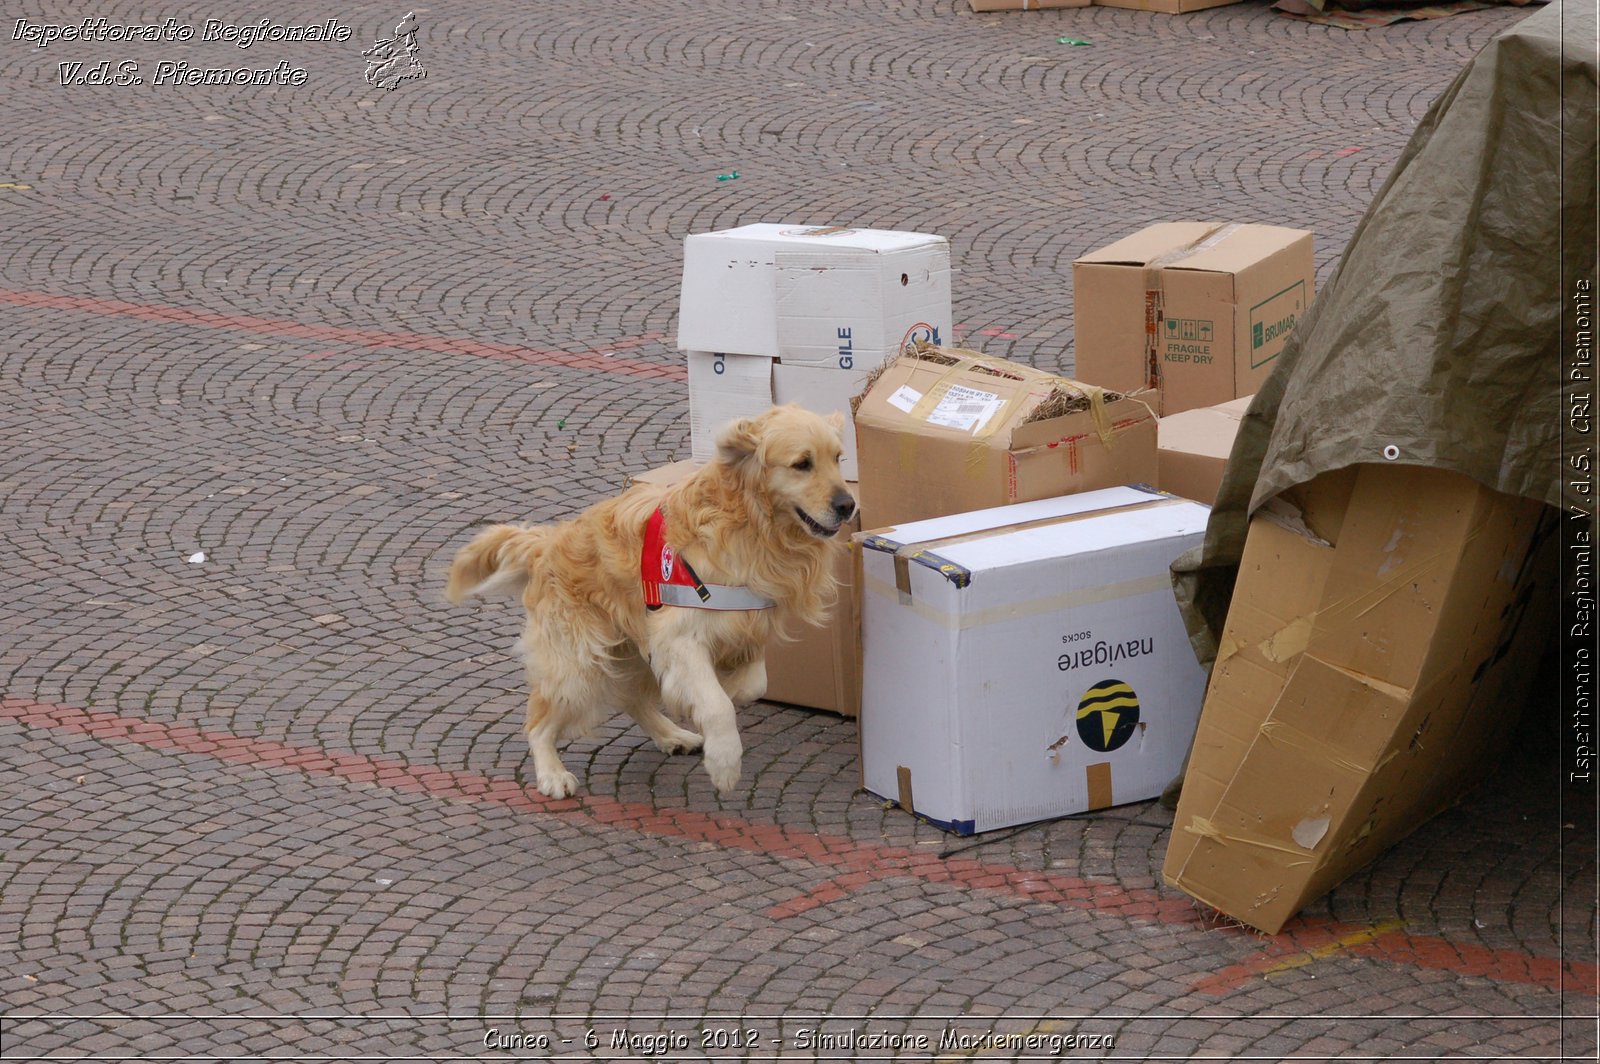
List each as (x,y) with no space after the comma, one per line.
(854,311)
(942,431)
(1367,667)
(821,667)
(801,314)
(812,295)
(1166,7)
(1024,5)
(1029,661)
(724,388)
(1197,310)
(826,391)
(1193,449)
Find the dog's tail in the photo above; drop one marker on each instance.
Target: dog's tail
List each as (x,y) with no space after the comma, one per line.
(495,564)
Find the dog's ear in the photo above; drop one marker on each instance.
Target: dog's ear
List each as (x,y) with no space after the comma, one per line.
(836,422)
(737,441)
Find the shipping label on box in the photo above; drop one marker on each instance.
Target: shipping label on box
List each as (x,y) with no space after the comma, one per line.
(1199,311)
(730,295)
(944,430)
(1028,661)
(722,389)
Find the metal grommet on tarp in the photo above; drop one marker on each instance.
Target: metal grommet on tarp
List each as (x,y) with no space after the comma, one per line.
(1391,452)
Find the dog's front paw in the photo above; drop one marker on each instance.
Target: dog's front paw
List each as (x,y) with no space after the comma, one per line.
(722,764)
(557,784)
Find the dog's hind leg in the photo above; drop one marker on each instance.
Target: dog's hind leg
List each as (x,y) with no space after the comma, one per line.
(544,728)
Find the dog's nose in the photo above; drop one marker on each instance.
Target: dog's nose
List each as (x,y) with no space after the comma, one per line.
(844,505)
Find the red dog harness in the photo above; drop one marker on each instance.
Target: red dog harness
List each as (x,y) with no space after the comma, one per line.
(669,581)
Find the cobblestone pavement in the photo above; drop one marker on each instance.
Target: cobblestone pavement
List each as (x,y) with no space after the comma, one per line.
(276,803)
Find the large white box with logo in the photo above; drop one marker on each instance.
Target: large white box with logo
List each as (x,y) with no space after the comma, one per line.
(826,296)
(1028,661)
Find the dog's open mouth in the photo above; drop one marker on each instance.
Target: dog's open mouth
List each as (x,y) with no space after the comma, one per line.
(816,529)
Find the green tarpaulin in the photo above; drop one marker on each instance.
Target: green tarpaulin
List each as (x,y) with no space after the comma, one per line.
(1438,340)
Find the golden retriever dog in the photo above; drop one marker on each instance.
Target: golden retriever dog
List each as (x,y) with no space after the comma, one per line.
(755,527)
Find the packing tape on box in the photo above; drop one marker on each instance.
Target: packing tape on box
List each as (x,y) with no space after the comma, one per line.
(1207,829)
(961,621)
(920,553)
(1154,299)
(1282,734)
(1098,779)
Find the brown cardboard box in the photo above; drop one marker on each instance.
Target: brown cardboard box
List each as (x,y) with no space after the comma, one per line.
(820,668)
(1027,5)
(1166,7)
(1196,309)
(1377,637)
(943,431)
(1193,448)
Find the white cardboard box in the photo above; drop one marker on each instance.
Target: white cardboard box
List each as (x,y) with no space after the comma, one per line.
(1028,661)
(855,311)
(888,283)
(825,391)
(722,389)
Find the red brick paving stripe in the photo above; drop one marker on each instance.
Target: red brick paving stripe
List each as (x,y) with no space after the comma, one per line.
(860,862)
(1502,966)
(1309,940)
(595,359)
(836,889)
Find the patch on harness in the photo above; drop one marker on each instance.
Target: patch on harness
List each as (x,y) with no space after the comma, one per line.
(669,580)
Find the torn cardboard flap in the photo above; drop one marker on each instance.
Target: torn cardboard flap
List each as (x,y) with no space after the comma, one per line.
(1408,645)
(1285,514)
